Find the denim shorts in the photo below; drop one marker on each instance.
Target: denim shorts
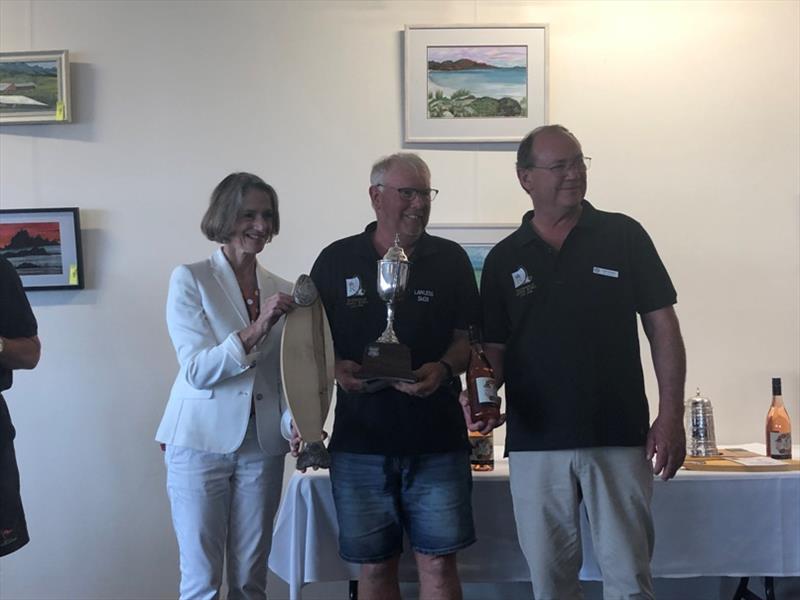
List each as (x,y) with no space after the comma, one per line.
(377,497)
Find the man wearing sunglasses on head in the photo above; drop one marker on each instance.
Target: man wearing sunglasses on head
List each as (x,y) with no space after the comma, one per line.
(400,455)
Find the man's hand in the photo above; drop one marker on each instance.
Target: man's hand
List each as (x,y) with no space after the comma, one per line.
(481,426)
(346,371)
(666,440)
(429,377)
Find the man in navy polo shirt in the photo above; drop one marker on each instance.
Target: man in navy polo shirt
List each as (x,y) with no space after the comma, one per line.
(560,300)
(400,456)
(19,349)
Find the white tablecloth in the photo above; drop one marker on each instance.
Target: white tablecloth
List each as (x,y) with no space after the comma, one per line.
(707,524)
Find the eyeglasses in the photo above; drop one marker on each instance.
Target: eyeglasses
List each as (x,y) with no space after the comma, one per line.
(409,193)
(581,164)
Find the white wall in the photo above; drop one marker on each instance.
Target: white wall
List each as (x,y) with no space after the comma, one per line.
(691,111)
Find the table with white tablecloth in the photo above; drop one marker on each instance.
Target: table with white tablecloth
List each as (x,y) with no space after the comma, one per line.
(707,523)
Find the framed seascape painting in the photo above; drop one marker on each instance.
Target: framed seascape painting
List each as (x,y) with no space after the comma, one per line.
(474,83)
(44,246)
(34,87)
(476,240)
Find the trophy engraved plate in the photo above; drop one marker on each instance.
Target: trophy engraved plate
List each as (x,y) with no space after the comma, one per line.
(387,358)
(307,371)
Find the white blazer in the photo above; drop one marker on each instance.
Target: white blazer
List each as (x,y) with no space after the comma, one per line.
(209,405)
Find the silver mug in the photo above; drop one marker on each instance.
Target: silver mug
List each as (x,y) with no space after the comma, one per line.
(699,423)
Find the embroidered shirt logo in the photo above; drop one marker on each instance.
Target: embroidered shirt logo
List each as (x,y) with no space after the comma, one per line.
(353,287)
(520,277)
(605,272)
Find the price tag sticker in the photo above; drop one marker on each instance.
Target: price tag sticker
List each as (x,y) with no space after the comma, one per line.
(73,274)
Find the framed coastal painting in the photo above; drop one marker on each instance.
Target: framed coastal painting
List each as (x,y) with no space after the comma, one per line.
(476,240)
(44,246)
(34,87)
(474,83)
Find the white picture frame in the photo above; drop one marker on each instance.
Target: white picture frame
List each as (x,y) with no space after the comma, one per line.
(34,87)
(506,64)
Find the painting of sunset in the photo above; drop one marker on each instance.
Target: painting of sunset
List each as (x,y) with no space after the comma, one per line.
(33,248)
(477,81)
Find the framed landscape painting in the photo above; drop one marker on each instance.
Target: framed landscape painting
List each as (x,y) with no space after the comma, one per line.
(34,87)
(476,240)
(474,83)
(44,246)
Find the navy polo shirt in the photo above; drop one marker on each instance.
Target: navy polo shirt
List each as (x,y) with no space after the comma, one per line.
(568,318)
(441,297)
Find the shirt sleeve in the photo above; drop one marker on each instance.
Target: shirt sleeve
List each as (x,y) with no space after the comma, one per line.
(321,276)
(16,318)
(496,328)
(468,300)
(653,287)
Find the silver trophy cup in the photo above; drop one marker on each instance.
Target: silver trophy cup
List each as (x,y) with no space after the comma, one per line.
(387,359)
(699,423)
(392,283)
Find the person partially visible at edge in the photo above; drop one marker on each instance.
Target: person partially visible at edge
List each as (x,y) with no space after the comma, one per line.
(560,301)
(19,349)
(226,423)
(400,455)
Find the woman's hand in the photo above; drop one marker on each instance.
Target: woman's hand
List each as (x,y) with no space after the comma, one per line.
(273,308)
(295,442)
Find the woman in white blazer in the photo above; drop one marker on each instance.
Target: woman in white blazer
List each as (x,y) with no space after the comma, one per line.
(226,425)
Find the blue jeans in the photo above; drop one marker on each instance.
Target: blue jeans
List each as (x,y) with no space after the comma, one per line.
(377,497)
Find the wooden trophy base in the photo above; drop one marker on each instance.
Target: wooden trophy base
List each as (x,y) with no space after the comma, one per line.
(387,363)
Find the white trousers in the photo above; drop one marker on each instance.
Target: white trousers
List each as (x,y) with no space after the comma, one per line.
(615,485)
(224,503)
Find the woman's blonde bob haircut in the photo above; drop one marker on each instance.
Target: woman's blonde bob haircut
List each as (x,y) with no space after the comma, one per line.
(226,202)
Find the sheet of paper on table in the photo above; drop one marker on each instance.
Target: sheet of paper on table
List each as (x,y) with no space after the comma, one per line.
(758,461)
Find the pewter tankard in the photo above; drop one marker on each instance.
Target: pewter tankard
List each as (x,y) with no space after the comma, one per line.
(699,422)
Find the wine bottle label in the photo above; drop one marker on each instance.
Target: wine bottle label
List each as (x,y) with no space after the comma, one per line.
(780,444)
(482,450)
(487,390)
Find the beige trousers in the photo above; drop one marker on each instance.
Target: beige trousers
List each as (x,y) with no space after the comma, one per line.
(615,485)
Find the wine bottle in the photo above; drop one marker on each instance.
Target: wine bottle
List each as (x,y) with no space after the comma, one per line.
(481,457)
(481,386)
(779,428)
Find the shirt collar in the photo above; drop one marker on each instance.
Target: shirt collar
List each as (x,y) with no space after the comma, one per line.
(423,247)
(525,234)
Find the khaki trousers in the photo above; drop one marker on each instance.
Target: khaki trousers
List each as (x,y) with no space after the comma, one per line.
(615,485)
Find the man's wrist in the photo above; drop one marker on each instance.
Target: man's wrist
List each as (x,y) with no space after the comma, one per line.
(2,344)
